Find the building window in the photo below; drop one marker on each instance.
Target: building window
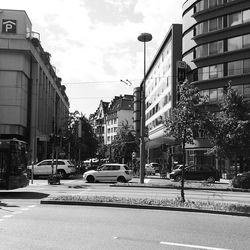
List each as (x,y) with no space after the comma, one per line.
(211,72)
(234,19)
(246,66)
(213,24)
(246,41)
(216,71)
(235,68)
(203,73)
(209,49)
(238,89)
(246,16)
(202,51)
(246,91)
(234,43)
(207,4)
(220,93)
(209,26)
(213,95)
(216,48)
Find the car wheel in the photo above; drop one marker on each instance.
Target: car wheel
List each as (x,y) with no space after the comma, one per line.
(61,174)
(178,178)
(211,179)
(90,178)
(121,179)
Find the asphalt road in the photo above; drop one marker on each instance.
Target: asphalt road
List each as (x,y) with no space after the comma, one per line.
(75,227)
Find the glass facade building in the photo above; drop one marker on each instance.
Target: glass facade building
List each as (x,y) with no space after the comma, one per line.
(216,47)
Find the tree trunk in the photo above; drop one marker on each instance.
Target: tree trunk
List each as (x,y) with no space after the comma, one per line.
(182,171)
(235,165)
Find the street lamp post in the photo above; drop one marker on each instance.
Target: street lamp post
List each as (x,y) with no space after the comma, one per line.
(144,37)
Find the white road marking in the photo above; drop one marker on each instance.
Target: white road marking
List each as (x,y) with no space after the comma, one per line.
(32,206)
(146,180)
(1,220)
(191,246)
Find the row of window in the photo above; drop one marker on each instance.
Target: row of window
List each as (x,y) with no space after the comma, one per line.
(210,95)
(216,95)
(207,4)
(210,72)
(112,121)
(159,120)
(110,138)
(215,48)
(161,88)
(163,102)
(220,23)
(112,130)
(161,69)
(217,71)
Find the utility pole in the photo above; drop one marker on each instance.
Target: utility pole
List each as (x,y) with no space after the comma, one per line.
(144,37)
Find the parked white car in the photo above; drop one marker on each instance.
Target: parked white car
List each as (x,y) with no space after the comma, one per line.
(64,168)
(149,170)
(109,172)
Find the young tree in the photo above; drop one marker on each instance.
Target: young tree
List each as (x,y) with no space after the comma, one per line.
(229,130)
(124,144)
(184,120)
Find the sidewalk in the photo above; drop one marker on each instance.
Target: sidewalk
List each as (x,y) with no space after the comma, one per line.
(157,182)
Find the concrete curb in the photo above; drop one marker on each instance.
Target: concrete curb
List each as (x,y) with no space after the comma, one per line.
(186,188)
(134,206)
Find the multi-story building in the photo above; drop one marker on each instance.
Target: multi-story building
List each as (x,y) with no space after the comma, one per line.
(98,121)
(110,117)
(216,47)
(120,112)
(161,87)
(33,103)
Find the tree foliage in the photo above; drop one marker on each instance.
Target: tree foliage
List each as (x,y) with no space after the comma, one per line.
(186,116)
(229,130)
(87,144)
(124,144)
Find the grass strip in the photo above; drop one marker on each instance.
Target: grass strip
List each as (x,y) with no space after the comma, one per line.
(205,205)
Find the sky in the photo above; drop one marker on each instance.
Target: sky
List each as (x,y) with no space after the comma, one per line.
(93,43)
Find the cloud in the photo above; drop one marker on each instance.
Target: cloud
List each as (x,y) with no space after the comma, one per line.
(96,41)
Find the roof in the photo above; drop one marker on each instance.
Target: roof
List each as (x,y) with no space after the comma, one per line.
(121,103)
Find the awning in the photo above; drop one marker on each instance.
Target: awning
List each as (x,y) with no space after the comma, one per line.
(199,144)
(155,143)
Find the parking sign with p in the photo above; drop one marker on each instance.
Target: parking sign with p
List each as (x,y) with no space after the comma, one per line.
(9,26)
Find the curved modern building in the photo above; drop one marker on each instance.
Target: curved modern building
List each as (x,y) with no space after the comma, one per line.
(216,47)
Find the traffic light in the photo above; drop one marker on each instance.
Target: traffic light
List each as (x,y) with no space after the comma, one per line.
(181,71)
(181,74)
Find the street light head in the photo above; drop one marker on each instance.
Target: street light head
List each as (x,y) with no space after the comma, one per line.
(145,37)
